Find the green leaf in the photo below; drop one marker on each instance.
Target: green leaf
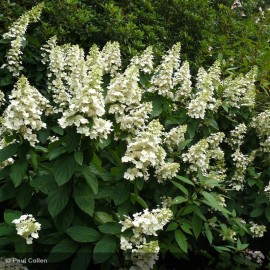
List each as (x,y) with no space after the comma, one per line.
(104,249)
(58,199)
(197,225)
(82,259)
(18,171)
(102,217)
(209,235)
(8,151)
(64,219)
(90,178)
(184,144)
(181,187)
(241,246)
(45,183)
(110,227)
(179,199)
(56,152)
(181,240)
(63,250)
(83,197)
(157,106)
(211,201)
(135,198)
(184,179)
(64,169)
(172,226)
(10,215)
(7,191)
(83,234)
(72,140)
(257,212)
(6,230)
(24,195)
(121,192)
(267,213)
(78,156)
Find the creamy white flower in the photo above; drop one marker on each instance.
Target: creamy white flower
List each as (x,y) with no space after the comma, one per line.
(257,230)
(175,137)
(27,227)
(11,264)
(16,34)
(23,115)
(162,80)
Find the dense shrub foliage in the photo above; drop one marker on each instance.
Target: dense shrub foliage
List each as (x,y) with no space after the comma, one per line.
(112,164)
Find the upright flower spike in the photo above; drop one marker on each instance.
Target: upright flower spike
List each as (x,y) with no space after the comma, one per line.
(16,35)
(182,81)
(111,58)
(145,151)
(200,154)
(204,98)
(240,91)
(23,115)
(27,227)
(162,80)
(144,61)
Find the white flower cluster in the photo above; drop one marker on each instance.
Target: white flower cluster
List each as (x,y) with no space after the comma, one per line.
(240,91)
(27,227)
(204,98)
(255,255)
(236,4)
(111,57)
(11,264)
(175,137)
(146,223)
(237,135)
(262,125)
(162,80)
(16,35)
(145,150)
(182,77)
(77,91)
(144,61)
(134,118)
(257,230)
(24,112)
(267,190)
(241,163)
(2,98)
(202,154)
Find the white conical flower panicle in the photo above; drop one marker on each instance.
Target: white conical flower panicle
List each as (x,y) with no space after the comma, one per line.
(16,35)
(27,227)
(23,115)
(162,80)
(111,58)
(144,151)
(204,98)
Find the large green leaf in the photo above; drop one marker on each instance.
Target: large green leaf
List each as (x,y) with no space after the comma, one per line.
(58,199)
(45,183)
(83,234)
(90,178)
(197,225)
(82,259)
(64,219)
(18,171)
(121,192)
(181,240)
(8,151)
(104,249)
(110,227)
(24,195)
(63,169)
(10,215)
(83,197)
(63,250)
(7,191)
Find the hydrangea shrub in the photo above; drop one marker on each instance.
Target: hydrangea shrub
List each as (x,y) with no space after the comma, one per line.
(125,168)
